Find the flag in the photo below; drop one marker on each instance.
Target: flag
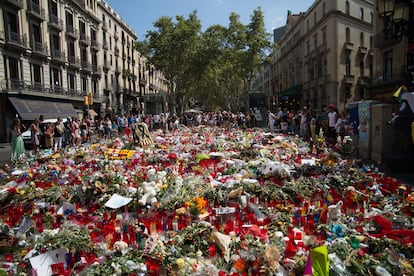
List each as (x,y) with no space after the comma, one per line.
(320,261)
(398,93)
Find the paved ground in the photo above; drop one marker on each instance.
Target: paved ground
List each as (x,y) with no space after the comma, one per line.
(406,177)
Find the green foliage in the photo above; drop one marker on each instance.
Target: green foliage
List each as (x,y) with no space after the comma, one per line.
(214,67)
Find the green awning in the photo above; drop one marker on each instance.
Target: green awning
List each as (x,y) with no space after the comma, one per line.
(28,110)
(292,91)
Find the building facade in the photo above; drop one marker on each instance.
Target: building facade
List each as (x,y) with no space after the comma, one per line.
(53,53)
(326,55)
(394,52)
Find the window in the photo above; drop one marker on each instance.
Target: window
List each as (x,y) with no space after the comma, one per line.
(14,68)
(315,41)
(348,35)
(388,56)
(307,47)
(69,19)
(361,67)
(361,13)
(55,76)
(371,18)
(371,42)
(84,82)
(314,18)
(36,74)
(307,25)
(348,65)
(71,81)
(323,8)
(36,32)
(347,7)
(71,48)
(323,36)
(361,39)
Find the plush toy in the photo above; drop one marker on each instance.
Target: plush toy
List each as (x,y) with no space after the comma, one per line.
(120,247)
(334,211)
(149,193)
(274,168)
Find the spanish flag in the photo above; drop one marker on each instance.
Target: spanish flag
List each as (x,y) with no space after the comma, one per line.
(399,92)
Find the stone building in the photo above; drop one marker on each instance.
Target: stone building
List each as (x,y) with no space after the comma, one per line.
(325,55)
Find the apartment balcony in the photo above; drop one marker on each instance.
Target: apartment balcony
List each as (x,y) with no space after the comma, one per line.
(349,79)
(142,82)
(72,32)
(58,90)
(34,10)
(39,49)
(362,50)
(364,81)
(86,67)
(55,22)
(16,41)
(106,65)
(14,84)
(96,71)
(83,38)
(74,62)
(117,51)
(105,45)
(95,44)
(58,56)
(15,3)
(348,46)
(388,78)
(107,88)
(382,39)
(74,92)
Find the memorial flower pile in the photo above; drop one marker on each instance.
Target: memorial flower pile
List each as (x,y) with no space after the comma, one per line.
(204,201)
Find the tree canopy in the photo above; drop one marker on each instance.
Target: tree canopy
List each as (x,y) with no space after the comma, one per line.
(214,67)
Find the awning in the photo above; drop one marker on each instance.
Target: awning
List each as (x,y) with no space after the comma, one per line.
(31,109)
(92,113)
(292,91)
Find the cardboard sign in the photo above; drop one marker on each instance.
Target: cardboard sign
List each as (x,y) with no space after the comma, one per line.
(141,133)
(118,154)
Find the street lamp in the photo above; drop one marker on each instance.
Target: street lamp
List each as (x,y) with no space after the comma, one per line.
(385,8)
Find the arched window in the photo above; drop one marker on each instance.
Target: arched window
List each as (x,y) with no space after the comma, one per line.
(348,66)
(347,7)
(361,39)
(361,13)
(323,8)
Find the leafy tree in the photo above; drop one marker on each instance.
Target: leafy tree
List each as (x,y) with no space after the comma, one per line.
(215,67)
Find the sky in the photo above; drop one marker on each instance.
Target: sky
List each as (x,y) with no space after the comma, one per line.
(141,14)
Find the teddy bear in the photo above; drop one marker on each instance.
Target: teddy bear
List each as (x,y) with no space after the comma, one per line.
(334,211)
(274,168)
(149,193)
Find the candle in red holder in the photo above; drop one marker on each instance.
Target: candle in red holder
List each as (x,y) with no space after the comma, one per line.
(153,267)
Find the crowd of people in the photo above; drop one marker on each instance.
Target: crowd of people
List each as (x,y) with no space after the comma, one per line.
(74,131)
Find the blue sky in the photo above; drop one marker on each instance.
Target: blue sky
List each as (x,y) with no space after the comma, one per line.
(141,14)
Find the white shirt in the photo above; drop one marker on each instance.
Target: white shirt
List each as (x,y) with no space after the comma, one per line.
(332,118)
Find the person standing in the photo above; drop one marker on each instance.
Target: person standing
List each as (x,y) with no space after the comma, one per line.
(17,144)
(49,134)
(35,135)
(332,117)
(271,121)
(304,125)
(57,145)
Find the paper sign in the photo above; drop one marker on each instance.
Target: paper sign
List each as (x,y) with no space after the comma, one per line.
(41,263)
(141,133)
(117,201)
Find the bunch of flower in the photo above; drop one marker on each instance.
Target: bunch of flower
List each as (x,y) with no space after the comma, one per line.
(345,146)
(196,206)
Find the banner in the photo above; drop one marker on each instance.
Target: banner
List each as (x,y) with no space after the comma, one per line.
(141,133)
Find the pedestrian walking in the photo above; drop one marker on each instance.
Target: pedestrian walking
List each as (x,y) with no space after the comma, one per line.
(57,138)
(35,135)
